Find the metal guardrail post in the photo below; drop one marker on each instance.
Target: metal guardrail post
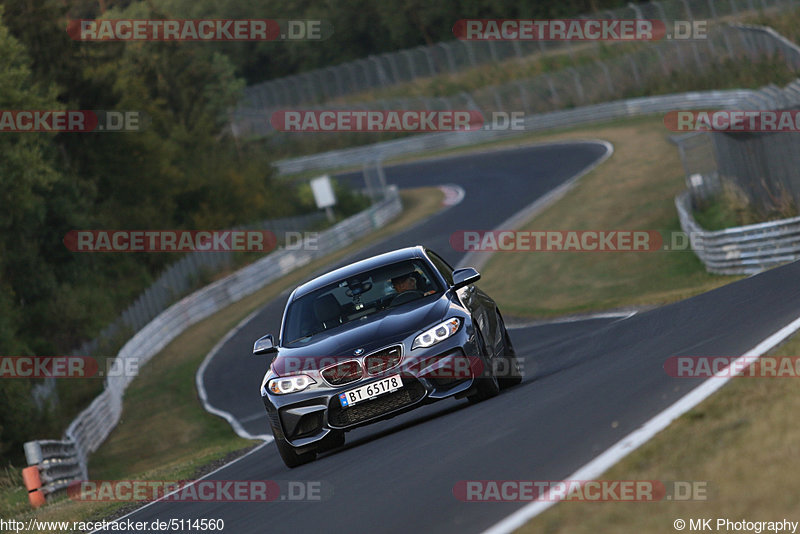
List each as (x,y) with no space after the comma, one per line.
(744,249)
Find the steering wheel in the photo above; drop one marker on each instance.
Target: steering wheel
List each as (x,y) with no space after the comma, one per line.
(406,296)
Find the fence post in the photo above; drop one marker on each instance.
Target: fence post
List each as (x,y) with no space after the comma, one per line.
(523,96)
(636,9)
(410,61)
(578,85)
(392,59)
(471,52)
(449,55)
(609,83)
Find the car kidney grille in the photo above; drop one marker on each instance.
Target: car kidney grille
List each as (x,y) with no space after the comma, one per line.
(343,373)
(411,392)
(382,360)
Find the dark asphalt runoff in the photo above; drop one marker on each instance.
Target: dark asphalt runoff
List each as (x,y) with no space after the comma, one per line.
(587,383)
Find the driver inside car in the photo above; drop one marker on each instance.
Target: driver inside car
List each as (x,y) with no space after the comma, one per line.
(403,283)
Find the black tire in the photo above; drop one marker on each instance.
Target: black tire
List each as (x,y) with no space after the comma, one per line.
(290,456)
(486,386)
(512,374)
(333,440)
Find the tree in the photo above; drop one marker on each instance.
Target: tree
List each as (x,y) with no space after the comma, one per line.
(27,177)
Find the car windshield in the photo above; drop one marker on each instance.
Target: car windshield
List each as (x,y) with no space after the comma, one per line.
(357,298)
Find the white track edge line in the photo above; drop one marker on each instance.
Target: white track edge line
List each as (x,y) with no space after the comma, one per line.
(478,259)
(643,434)
(201,389)
(573,319)
(192,483)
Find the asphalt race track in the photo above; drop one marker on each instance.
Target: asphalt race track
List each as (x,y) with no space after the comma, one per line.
(587,383)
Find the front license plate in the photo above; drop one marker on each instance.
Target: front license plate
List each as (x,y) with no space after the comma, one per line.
(372,390)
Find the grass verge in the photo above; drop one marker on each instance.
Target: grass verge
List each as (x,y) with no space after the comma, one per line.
(742,442)
(632,190)
(152,442)
(731,207)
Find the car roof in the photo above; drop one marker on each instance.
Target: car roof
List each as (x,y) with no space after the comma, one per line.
(352,269)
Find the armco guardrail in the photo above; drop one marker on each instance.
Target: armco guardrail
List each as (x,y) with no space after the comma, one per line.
(744,249)
(753,41)
(175,281)
(53,466)
(767,39)
(757,164)
(450,57)
(580,84)
(762,166)
(631,107)
(60,462)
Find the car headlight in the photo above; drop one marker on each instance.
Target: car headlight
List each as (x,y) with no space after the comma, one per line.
(290,384)
(438,333)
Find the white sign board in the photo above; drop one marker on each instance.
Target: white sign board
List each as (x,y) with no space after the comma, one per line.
(323,191)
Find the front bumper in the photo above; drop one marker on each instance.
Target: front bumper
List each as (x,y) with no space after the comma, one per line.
(443,370)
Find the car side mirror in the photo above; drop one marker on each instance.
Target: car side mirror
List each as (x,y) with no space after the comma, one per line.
(465,277)
(265,345)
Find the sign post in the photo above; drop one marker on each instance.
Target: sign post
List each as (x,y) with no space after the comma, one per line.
(323,194)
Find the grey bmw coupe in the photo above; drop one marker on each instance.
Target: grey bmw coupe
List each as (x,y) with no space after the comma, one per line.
(377,338)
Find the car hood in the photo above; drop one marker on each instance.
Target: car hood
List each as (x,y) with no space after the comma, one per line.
(373,333)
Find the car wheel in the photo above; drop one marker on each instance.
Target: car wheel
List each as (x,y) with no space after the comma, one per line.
(512,375)
(289,454)
(486,386)
(334,440)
